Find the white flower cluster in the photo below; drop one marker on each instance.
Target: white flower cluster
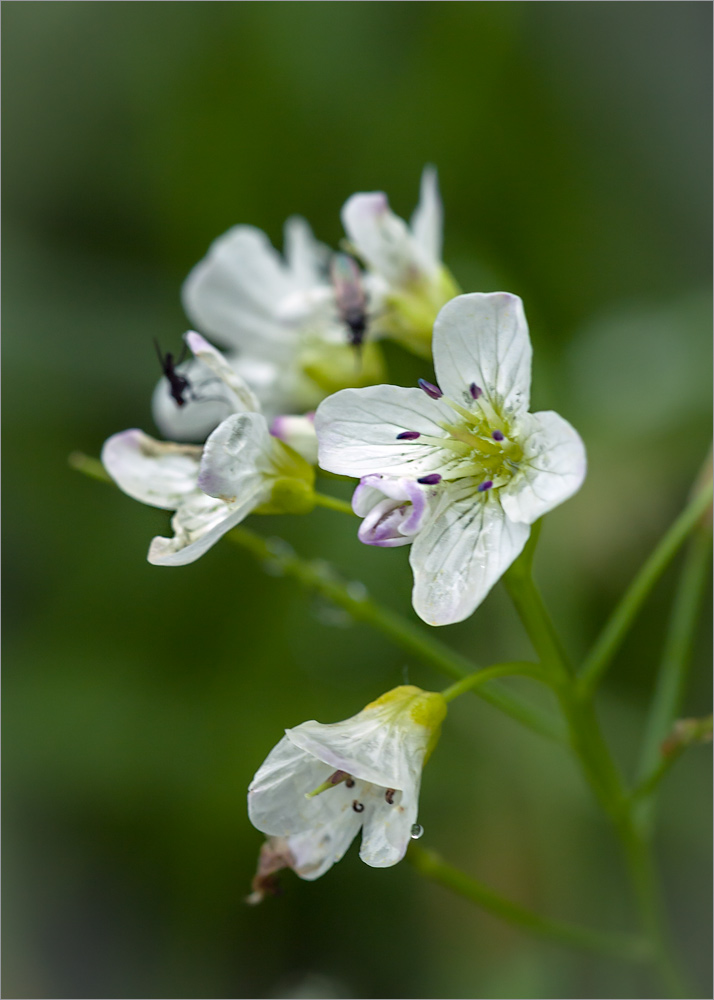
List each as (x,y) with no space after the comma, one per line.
(458,469)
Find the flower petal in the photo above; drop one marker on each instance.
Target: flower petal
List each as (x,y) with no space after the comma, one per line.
(386,830)
(382,525)
(199,523)
(231,293)
(376,745)
(461,553)
(483,340)
(357,431)
(158,473)
(195,420)
(382,239)
(306,257)
(298,433)
(316,851)
(243,396)
(237,457)
(427,222)
(320,828)
(552,470)
(393,509)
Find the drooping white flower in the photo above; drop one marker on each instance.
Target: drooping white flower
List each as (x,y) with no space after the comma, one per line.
(490,467)
(241,468)
(322,783)
(407,259)
(278,317)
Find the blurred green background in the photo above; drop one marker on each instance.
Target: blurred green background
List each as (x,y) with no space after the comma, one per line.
(573,146)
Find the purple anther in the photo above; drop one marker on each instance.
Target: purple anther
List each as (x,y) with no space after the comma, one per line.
(430,389)
(408,436)
(497,436)
(485,486)
(431,480)
(475,391)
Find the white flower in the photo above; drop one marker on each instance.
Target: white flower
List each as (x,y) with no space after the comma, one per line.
(406,258)
(490,467)
(322,783)
(242,468)
(279,314)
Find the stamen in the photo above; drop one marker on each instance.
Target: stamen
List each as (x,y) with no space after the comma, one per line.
(389,796)
(485,486)
(350,783)
(430,389)
(408,436)
(333,780)
(475,391)
(357,806)
(497,436)
(431,480)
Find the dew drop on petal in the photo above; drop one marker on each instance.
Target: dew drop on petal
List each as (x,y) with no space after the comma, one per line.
(416,831)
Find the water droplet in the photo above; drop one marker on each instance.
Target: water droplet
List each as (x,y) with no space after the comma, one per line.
(416,831)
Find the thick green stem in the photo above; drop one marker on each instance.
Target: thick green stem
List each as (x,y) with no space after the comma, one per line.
(598,766)
(669,690)
(353,598)
(429,864)
(528,602)
(584,731)
(620,620)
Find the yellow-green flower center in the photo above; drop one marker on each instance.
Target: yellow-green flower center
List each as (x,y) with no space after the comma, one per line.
(480,445)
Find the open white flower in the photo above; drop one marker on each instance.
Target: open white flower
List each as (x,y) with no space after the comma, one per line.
(490,467)
(278,317)
(242,468)
(407,259)
(322,783)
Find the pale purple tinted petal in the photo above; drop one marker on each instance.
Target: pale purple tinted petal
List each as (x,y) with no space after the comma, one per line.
(381,526)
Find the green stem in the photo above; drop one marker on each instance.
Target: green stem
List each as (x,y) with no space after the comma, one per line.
(651,782)
(354,599)
(598,766)
(644,880)
(332,503)
(620,620)
(536,621)
(669,690)
(351,598)
(429,864)
(515,668)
